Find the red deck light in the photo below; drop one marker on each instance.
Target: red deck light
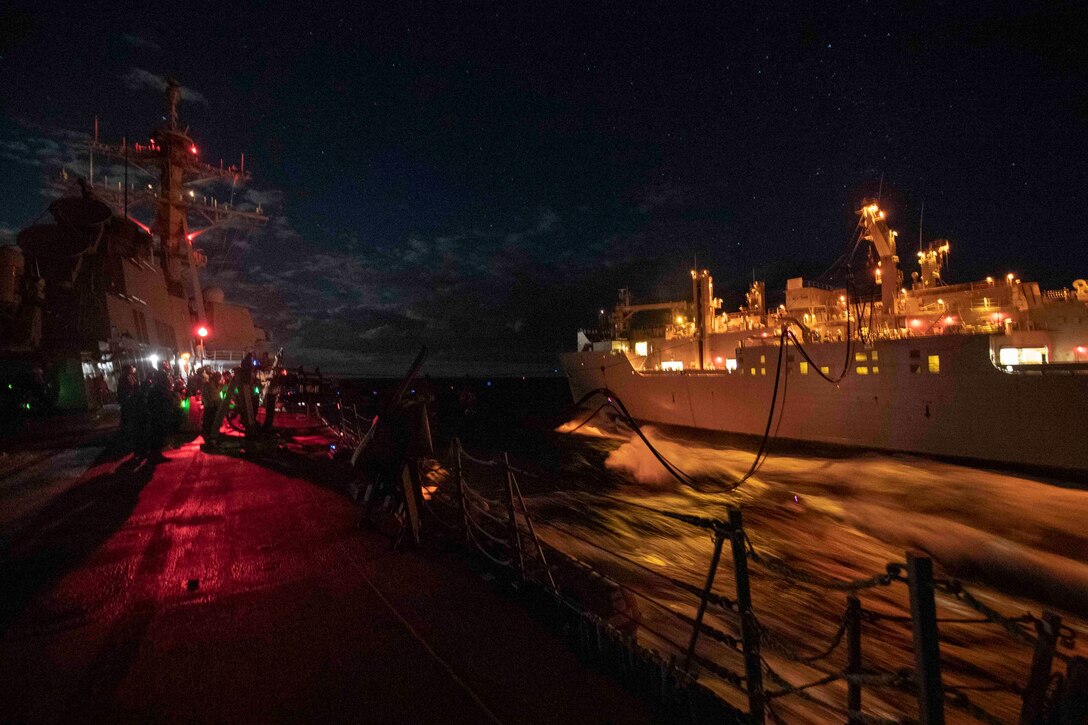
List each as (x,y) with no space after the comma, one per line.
(202,332)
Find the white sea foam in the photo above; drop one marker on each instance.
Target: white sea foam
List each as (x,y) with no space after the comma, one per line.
(1019,541)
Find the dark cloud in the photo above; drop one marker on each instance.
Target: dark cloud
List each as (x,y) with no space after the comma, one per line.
(478,299)
(139,79)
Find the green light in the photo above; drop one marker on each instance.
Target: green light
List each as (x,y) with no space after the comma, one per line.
(10,386)
(256,390)
(185,404)
(222,394)
(28,406)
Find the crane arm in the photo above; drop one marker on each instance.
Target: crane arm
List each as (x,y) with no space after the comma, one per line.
(876,230)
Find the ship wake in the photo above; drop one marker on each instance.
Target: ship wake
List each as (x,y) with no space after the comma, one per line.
(1017,540)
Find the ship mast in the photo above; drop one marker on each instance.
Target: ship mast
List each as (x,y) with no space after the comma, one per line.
(174,155)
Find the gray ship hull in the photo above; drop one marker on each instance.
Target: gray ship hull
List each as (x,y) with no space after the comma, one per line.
(966,408)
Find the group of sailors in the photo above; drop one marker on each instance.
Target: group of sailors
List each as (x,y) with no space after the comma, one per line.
(153,407)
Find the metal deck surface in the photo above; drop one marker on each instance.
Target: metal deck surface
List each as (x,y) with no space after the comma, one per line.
(211,587)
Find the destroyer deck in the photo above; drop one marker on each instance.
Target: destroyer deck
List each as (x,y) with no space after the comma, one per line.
(212,588)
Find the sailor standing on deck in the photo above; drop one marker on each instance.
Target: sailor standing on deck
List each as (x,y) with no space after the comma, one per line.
(128,396)
(159,409)
(209,400)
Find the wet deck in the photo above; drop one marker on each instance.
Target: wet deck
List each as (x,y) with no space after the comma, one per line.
(213,588)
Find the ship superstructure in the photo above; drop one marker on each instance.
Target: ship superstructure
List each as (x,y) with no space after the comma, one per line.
(993,370)
(115,278)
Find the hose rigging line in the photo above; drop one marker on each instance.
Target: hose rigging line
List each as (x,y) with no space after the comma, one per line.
(761,453)
(588,418)
(786,336)
(613,400)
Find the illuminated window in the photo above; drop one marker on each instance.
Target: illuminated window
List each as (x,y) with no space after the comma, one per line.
(763,371)
(825,370)
(804,368)
(862,370)
(874,356)
(642,349)
(763,358)
(730,364)
(1022,355)
(876,370)
(672,365)
(934,363)
(752,371)
(860,357)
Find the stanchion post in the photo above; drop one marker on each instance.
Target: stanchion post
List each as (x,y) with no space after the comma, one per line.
(853,653)
(1073,704)
(927,643)
(1041,661)
(459,479)
(515,535)
(697,626)
(749,631)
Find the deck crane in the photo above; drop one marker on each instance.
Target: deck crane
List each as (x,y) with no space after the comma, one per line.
(875,230)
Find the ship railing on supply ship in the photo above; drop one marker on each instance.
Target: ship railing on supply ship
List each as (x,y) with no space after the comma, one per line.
(648,333)
(1062,294)
(808,283)
(1047,368)
(683,630)
(596,334)
(225,355)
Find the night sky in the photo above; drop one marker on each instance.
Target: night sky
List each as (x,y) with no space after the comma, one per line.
(481,177)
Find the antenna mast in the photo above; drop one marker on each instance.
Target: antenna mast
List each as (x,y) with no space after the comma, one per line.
(921,217)
(175,157)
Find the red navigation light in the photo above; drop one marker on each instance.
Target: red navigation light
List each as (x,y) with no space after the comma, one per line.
(202,332)
(192,149)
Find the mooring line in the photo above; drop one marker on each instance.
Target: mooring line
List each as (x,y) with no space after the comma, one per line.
(419,638)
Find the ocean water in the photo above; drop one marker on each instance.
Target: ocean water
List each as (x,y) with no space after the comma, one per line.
(1018,542)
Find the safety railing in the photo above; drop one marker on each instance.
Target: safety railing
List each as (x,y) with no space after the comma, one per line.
(729,642)
(348,424)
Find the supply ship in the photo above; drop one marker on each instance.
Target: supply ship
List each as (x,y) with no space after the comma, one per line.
(114,278)
(993,371)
